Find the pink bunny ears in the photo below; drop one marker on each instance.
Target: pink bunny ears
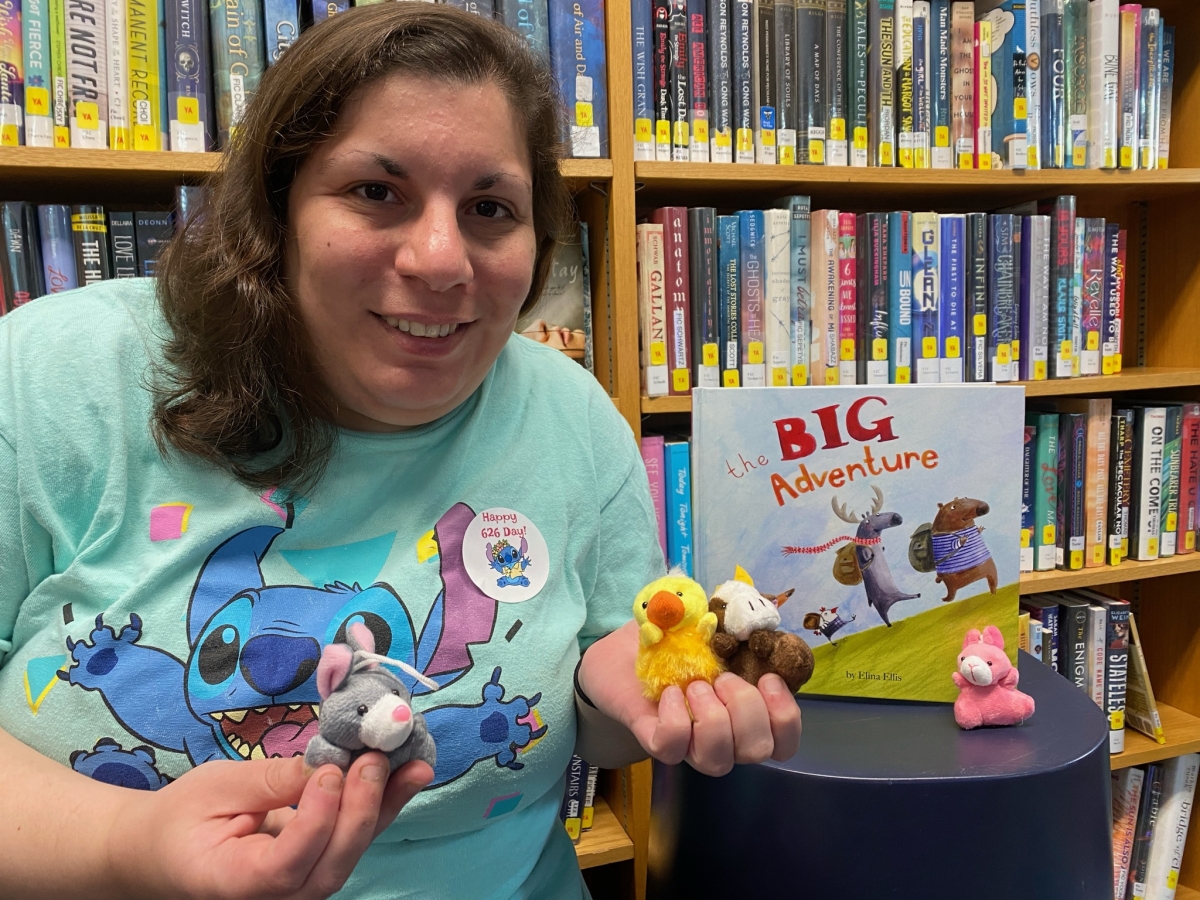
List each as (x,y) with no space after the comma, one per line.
(991,635)
(338,661)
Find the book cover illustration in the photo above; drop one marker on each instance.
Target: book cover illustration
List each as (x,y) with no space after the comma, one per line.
(562,317)
(894,512)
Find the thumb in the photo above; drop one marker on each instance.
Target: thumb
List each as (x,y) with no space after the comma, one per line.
(257,785)
(666,736)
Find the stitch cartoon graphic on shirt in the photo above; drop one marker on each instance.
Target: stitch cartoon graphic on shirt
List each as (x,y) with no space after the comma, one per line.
(510,562)
(248,689)
(107,762)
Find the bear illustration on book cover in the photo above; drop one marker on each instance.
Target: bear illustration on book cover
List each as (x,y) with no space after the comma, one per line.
(894,512)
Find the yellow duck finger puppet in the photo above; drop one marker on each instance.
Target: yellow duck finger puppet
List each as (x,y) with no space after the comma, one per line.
(675,628)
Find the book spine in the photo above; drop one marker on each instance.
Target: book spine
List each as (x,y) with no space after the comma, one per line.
(743,81)
(87,72)
(837,47)
(881,124)
(124,244)
(786,65)
(920,65)
(1075,49)
(984,85)
(1130,65)
(847,298)
(119,133)
(577,56)
(1054,87)
(1126,794)
(1009,67)
(940,83)
(190,125)
(752,290)
(89,230)
(1039,307)
(953,297)
(765,86)
(810,105)
(1170,832)
(12,77)
(153,231)
(977,297)
(22,258)
(679,488)
(678,296)
(962,101)
(825,297)
(661,37)
(1110,320)
(678,92)
(1099,450)
(528,18)
(777,226)
(877,325)
(1001,296)
(145,77)
(1152,791)
(729,299)
(589,799)
(1074,657)
(1045,501)
(327,9)
(572,805)
(1150,444)
(858,81)
(904,83)
(702,280)
(1116,668)
(1028,454)
(652,304)
(926,267)
(1097,628)
(1062,274)
(39,73)
(642,40)
(1149,86)
(1072,457)
(720,81)
(1189,479)
(60,92)
(652,459)
(698,83)
(1120,480)
(1166,93)
(1103,77)
(1170,481)
(862,296)
(800,285)
(1033,83)
(899,278)
(1141,712)
(58,253)
(281,27)
(1077,299)
(237,60)
(1092,318)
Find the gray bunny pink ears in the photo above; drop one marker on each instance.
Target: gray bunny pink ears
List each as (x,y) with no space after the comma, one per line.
(365,707)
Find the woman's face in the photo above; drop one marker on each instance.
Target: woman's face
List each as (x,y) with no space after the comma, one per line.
(411,248)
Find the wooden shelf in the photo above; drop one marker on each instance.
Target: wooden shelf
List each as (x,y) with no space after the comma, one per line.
(605,842)
(1129,570)
(1134,379)
(1183,892)
(1181,730)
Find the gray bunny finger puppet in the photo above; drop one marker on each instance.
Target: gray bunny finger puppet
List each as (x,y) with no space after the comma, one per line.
(365,707)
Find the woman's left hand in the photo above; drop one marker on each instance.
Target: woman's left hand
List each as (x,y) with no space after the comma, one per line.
(731,720)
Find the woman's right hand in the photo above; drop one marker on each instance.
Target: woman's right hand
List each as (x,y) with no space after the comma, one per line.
(228,829)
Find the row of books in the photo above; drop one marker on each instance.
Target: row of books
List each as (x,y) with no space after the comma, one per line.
(669,467)
(578,806)
(1107,481)
(1151,811)
(911,83)
(174,75)
(795,296)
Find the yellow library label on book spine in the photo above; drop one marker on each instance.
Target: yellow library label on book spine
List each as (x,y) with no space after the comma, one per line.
(723,137)
(1114,556)
(745,140)
(662,131)
(709,354)
(831,375)
(1189,541)
(1016,350)
(1148,159)
(1003,354)
(979,325)
(755,353)
(187,110)
(1117,719)
(658,353)
(885,155)
(1162,163)
(1116,363)
(799,375)
(1020,109)
(679,136)
(10,136)
(966,160)
(941,136)
(1098,555)
(572,826)
(1047,535)
(929,348)
(730,378)
(837,129)
(583,114)
(787,155)
(768,137)
(1172,522)
(919,159)
(1106,365)
(985,161)
(906,158)
(62,137)
(1076,559)
(681,381)
(1039,370)
(700,131)
(643,131)
(952,348)
(87,116)
(879,349)
(1126,157)
(1093,340)
(1110,158)
(37,101)
(816,152)
(903,375)
(1031,157)
(1064,349)
(118,138)
(144,137)
(847,350)
(1026,537)
(860,138)
(1172,879)
(1152,547)
(779,377)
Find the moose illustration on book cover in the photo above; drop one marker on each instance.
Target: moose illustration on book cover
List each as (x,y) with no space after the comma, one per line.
(892,513)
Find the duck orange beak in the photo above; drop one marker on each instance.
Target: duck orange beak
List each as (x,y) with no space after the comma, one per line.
(665,610)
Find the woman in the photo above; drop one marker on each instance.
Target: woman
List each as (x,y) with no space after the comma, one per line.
(320,416)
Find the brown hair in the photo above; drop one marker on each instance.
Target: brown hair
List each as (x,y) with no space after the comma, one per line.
(239,386)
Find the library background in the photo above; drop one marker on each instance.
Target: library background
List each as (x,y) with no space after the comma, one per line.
(1057,141)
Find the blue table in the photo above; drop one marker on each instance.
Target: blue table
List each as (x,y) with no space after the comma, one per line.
(894,800)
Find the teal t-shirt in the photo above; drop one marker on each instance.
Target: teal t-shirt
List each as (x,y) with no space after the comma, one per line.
(156,614)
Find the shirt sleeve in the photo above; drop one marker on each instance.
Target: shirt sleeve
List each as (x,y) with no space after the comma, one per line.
(626,553)
(22,542)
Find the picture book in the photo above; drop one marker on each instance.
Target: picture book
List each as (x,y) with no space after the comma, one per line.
(562,318)
(801,488)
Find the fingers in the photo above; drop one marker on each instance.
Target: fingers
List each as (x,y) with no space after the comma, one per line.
(784,714)
(751,725)
(406,782)
(665,733)
(712,750)
(288,860)
(253,785)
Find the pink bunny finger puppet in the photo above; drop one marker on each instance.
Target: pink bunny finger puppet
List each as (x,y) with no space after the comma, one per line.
(987,683)
(365,707)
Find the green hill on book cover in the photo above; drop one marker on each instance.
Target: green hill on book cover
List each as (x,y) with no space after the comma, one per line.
(894,512)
